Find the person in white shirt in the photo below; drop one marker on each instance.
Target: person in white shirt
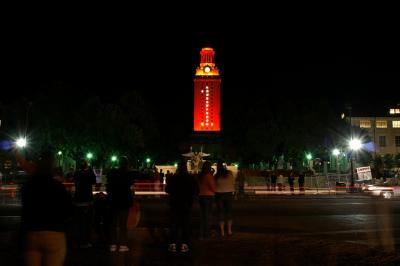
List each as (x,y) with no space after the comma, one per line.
(225,187)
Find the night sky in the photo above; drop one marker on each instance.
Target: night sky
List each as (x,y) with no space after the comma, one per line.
(347,64)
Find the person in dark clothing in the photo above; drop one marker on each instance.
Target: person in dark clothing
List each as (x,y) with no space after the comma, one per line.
(273,181)
(301,182)
(120,199)
(46,209)
(181,188)
(83,200)
(291,182)
(162,175)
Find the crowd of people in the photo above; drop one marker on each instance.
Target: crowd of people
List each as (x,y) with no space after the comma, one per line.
(50,213)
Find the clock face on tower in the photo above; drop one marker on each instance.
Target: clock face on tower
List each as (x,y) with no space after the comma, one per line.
(207,69)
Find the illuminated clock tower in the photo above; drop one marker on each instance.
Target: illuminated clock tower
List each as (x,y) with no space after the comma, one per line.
(207,94)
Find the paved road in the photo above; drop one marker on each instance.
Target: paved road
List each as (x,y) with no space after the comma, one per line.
(341,218)
(343,228)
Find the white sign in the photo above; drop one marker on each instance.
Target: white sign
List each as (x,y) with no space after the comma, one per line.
(364,173)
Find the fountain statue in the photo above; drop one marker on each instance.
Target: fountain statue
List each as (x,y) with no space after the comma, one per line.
(196,160)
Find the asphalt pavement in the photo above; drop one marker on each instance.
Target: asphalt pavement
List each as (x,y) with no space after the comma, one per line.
(273,230)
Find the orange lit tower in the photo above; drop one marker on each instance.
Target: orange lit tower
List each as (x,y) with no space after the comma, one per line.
(207,94)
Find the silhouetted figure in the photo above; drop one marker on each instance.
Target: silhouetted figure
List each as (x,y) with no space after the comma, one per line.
(206,198)
(273,181)
(168,175)
(46,209)
(225,187)
(120,198)
(291,182)
(280,182)
(84,180)
(301,182)
(241,181)
(69,177)
(181,189)
(162,176)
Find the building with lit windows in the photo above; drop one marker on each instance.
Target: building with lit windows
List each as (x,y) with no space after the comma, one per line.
(384,131)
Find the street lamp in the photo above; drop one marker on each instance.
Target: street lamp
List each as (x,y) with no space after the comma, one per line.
(354,145)
(59,153)
(21,142)
(309,157)
(148,160)
(89,156)
(113,158)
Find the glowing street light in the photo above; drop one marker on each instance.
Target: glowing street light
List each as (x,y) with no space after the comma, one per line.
(355,144)
(175,164)
(336,152)
(89,155)
(59,153)
(21,142)
(113,158)
(148,160)
(309,156)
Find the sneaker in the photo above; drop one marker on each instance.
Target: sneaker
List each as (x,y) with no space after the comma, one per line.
(172,247)
(113,248)
(184,248)
(123,249)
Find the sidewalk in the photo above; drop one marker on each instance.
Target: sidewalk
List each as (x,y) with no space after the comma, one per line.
(149,247)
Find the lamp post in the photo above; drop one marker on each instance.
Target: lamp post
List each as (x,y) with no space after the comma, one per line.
(336,153)
(355,145)
(309,157)
(89,156)
(59,153)
(114,159)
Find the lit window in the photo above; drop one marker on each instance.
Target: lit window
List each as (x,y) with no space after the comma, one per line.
(381,124)
(206,113)
(207,94)
(206,105)
(395,111)
(207,98)
(396,124)
(202,124)
(206,124)
(212,124)
(365,123)
(202,91)
(206,87)
(206,116)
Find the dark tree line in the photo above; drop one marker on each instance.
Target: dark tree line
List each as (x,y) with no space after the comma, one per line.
(254,128)
(266,128)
